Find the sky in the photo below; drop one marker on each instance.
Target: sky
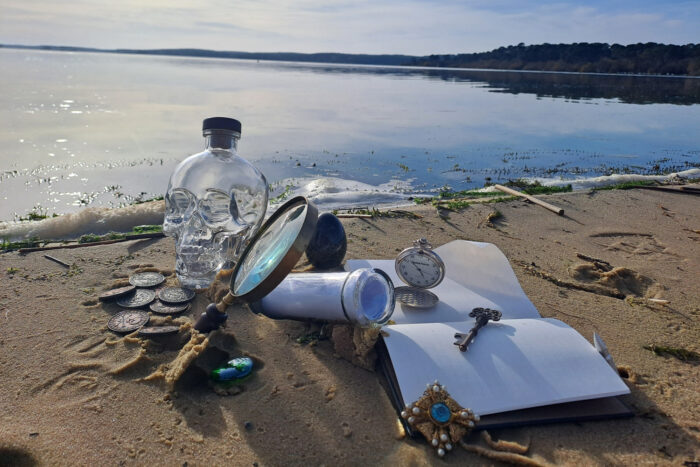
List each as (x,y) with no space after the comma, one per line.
(413,27)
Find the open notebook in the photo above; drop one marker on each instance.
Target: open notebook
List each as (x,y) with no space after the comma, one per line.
(520,370)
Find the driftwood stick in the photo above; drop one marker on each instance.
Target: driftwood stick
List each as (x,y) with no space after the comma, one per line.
(350,216)
(532,199)
(671,189)
(82,245)
(56,260)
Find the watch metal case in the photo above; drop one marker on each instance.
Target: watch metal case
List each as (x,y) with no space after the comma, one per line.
(420,247)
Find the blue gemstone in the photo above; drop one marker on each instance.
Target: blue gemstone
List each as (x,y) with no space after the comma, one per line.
(235,370)
(242,365)
(440,412)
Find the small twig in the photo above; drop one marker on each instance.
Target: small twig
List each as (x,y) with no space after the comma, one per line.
(599,290)
(403,213)
(509,457)
(349,216)
(501,445)
(598,263)
(56,260)
(592,259)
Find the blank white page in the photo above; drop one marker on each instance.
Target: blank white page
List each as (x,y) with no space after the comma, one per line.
(511,365)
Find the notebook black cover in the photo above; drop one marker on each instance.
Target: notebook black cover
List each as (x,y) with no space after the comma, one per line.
(593,409)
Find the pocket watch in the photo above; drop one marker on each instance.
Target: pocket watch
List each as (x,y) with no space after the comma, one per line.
(421,268)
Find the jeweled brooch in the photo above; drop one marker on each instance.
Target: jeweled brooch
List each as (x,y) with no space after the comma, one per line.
(439,418)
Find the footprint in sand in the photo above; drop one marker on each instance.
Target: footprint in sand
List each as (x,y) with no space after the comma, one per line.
(623,281)
(634,244)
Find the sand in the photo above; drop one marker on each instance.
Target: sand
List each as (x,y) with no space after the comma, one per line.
(74,393)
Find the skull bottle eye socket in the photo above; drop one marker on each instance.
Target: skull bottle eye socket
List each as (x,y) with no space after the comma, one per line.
(179,204)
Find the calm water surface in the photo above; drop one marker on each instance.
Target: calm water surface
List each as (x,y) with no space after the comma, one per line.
(104,129)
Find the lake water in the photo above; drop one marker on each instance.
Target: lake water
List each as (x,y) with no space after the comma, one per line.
(82,129)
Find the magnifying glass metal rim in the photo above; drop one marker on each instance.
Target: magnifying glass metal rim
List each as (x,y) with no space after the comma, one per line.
(290,258)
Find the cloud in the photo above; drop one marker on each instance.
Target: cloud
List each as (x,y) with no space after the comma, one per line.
(381,26)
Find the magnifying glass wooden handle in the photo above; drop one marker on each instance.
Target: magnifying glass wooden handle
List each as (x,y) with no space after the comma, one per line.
(215,315)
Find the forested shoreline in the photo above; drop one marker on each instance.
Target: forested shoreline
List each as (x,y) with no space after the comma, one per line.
(584,57)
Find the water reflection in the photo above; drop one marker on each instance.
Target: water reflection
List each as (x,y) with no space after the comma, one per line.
(628,89)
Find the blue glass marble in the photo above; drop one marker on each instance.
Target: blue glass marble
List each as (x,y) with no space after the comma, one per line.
(440,412)
(235,370)
(329,243)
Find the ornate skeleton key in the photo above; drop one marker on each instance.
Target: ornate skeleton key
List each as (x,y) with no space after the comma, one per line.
(483,316)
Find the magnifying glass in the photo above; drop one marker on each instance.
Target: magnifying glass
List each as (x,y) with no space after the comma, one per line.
(261,278)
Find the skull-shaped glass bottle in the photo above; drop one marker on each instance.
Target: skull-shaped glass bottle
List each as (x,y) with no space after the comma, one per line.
(215,202)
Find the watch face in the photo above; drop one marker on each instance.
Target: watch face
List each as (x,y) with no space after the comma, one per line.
(419,270)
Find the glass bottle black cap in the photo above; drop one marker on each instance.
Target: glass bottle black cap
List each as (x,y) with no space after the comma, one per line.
(221,123)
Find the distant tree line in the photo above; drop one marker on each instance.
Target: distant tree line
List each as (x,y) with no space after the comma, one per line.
(649,58)
(322,57)
(596,57)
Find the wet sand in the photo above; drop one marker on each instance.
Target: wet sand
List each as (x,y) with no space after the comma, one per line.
(73,392)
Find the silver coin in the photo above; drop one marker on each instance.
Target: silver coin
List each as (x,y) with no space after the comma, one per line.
(163,309)
(116,293)
(175,295)
(146,279)
(415,297)
(155,331)
(127,321)
(137,299)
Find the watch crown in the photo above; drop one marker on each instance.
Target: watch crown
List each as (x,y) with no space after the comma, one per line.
(423,243)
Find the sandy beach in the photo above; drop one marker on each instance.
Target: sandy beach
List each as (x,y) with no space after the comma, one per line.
(73,392)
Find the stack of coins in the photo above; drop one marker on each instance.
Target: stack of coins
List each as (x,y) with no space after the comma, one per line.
(172,300)
(142,293)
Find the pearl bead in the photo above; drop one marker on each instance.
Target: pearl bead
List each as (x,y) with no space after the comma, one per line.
(464,414)
(435,442)
(441,452)
(443,438)
(476,418)
(471,424)
(404,414)
(436,388)
(448,446)
(411,419)
(416,410)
